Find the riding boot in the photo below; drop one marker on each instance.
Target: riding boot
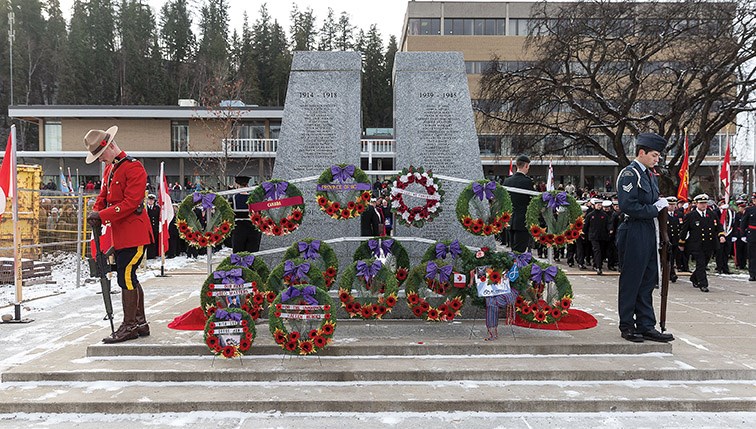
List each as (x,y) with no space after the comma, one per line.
(127,330)
(143,329)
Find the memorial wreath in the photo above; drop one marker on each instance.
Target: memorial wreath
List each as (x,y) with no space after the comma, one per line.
(348,181)
(450,250)
(436,277)
(316,251)
(300,305)
(368,289)
(500,265)
(190,226)
(276,207)
(390,251)
(562,215)
(492,206)
(295,272)
(246,260)
(235,287)
(229,333)
(545,296)
(416,177)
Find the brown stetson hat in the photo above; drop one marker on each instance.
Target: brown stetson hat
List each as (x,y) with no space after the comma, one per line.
(96,141)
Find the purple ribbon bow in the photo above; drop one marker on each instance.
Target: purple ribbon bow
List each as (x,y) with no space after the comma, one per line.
(522,259)
(376,248)
(206,199)
(453,248)
(274,191)
(342,174)
(432,270)
(225,315)
(555,201)
(242,261)
(307,293)
(232,276)
(539,275)
(309,251)
(484,191)
(296,272)
(368,270)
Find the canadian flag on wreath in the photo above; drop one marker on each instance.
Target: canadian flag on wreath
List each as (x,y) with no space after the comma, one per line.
(7,187)
(460,280)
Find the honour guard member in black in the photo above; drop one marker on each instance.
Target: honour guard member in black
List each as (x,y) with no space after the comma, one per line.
(598,223)
(700,235)
(726,218)
(245,237)
(739,237)
(748,226)
(674,223)
(520,235)
(638,241)
(153,211)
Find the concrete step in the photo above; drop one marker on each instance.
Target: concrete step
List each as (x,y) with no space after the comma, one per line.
(391,396)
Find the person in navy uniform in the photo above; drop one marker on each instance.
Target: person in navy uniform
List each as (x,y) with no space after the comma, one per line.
(638,241)
(244,237)
(700,235)
(748,226)
(153,211)
(598,224)
(520,235)
(674,223)
(739,236)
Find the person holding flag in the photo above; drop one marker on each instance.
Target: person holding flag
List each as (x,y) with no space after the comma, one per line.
(166,215)
(121,204)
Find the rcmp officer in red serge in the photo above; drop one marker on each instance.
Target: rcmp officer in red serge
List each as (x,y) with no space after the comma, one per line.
(700,235)
(748,226)
(637,241)
(121,204)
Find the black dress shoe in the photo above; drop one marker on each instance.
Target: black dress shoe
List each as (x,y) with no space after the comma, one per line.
(654,335)
(632,336)
(673,279)
(752,279)
(570,264)
(581,266)
(704,289)
(599,272)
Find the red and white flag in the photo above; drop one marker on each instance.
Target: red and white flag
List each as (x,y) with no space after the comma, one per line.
(724,173)
(550,178)
(166,211)
(510,167)
(7,185)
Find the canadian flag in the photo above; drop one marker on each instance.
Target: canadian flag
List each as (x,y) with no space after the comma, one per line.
(7,187)
(166,211)
(724,173)
(460,280)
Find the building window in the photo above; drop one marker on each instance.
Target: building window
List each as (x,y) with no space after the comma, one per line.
(179,136)
(519,26)
(250,130)
(275,130)
(424,26)
(53,136)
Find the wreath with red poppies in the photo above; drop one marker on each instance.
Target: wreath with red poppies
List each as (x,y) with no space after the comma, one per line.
(368,289)
(319,252)
(276,207)
(234,287)
(429,280)
(229,332)
(343,191)
(199,232)
(246,260)
(491,208)
(561,214)
(390,251)
(545,296)
(302,306)
(409,183)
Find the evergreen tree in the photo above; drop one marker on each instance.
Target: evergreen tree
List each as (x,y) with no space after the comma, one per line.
(179,49)
(280,67)
(302,29)
(271,57)
(344,34)
(54,47)
(246,67)
(28,55)
(328,33)
(137,36)
(376,109)
(212,56)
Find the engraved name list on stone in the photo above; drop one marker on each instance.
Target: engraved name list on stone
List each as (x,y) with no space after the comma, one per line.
(438,134)
(319,129)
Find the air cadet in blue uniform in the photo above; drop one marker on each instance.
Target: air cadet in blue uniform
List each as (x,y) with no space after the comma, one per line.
(637,241)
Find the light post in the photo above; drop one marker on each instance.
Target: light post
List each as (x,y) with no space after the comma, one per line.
(11,37)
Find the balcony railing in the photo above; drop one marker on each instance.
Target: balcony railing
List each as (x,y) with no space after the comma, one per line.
(379,148)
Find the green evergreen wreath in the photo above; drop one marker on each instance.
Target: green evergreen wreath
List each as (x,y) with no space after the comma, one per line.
(276,221)
(398,261)
(215,340)
(258,265)
(419,288)
(326,258)
(531,303)
(561,229)
(427,211)
(277,281)
(347,175)
(251,301)
(190,226)
(376,290)
(489,220)
(302,340)
(444,248)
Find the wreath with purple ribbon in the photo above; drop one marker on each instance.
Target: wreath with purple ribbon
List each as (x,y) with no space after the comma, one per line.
(192,222)
(285,209)
(484,208)
(230,332)
(302,307)
(449,250)
(319,252)
(424,285)
(295,271)
(562,215)
(368,289)
(235,287)
(390,251)
(343,191)
(545,296)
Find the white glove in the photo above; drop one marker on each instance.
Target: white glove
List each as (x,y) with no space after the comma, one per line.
(661,204)
(744,239)
(734,239)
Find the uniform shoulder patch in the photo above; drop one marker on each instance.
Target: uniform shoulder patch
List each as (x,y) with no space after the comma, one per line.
(627,173)
(628,187)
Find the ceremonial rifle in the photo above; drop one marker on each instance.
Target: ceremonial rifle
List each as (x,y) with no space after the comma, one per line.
(103,267)
(664,252)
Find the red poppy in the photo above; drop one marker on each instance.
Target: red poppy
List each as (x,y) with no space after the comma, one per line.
(455,304)
(549,238)
(211,341)
(296,215)
(322,201)
(183,228)
(401,273)
(467,221)
(487,230)
(366,312)
(535,230)
(556,313)
(566,303)
(495,277)
(360,208)
(424,305)
(225,227)
(540,316)
(476,228)
(506,217)
(559,240)
(313,333)
(579,223)
(276,230)
(215,238)
(229,351)
(391,301)
(344,296)
(365,196)
(254,314)
(244,345)
(443,308)
(270,296)
(319,341)
(498,225)
(413,298)
(327,329)
(202,241)
(381,310)
(346,213)
(351,205)
(417,311)
(294,335)
(279,337)
(432,314)
(291,345)
(330,211)
(526,310)
(330,272)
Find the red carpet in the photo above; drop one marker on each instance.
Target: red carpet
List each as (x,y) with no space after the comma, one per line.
(192,320)
(574,320)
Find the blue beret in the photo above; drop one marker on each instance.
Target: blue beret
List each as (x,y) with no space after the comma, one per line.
(652,141)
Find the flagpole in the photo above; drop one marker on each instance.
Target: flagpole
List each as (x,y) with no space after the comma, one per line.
(162,227)
(16,234)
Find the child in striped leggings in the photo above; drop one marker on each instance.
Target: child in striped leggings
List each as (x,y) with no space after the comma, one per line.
(506,301)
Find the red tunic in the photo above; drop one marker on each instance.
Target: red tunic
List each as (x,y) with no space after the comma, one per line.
(118,201)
